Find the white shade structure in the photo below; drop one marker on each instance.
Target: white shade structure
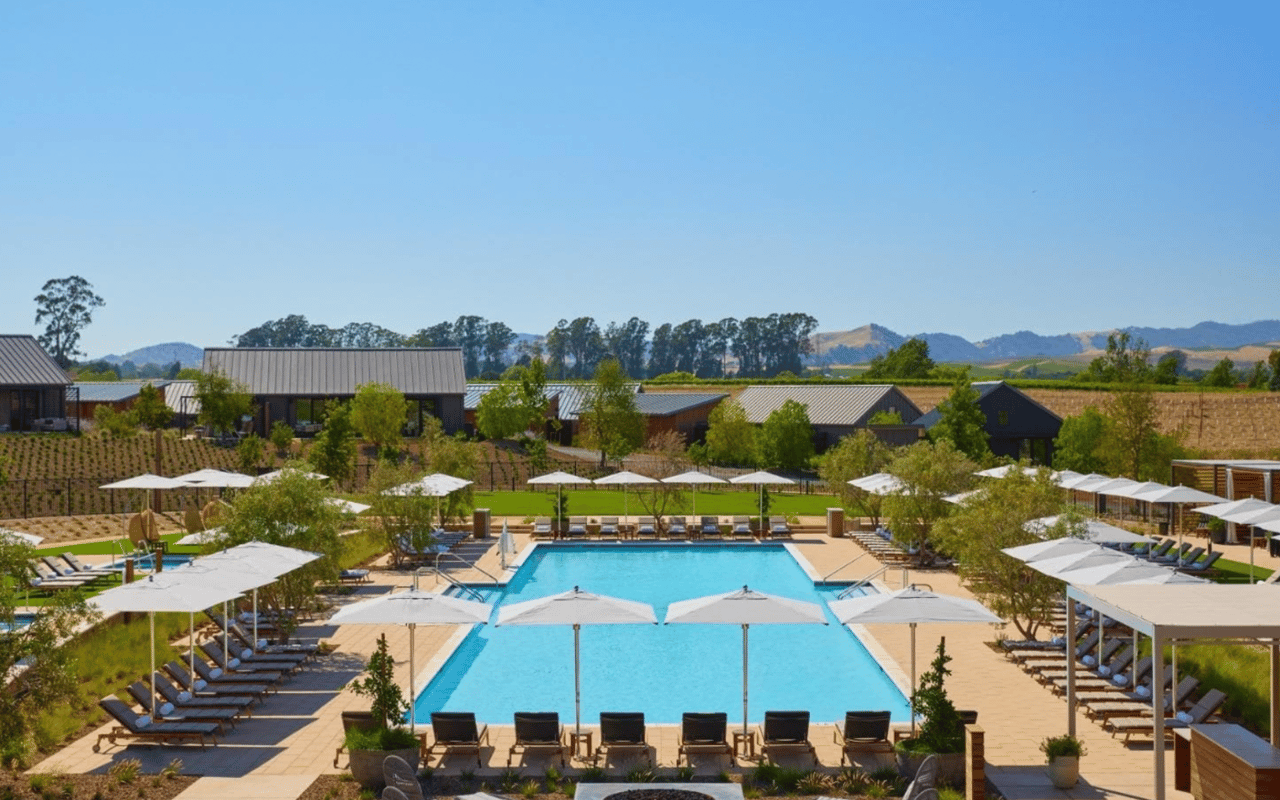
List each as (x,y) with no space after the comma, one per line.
(624,479)
(20,537)
(1051,548)
(879,483)
(275,475)
(1063,477)
(261,558)
(206,536)
(347,506)
(911,606)
(1003,471)
(744,607)
(413,608)
(558,479)
(960,498)
(1177,494)
(577,608)
(1085,483)
(1132,571)
(435,485)
(1095,530)
(1069,479)
(695,479)
(148,483)
(1247,505)
(216,479)
(761,479)
(1054,567)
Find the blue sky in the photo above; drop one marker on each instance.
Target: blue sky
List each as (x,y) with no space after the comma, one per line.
(969,167)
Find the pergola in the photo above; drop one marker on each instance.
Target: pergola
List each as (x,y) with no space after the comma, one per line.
(1176,614)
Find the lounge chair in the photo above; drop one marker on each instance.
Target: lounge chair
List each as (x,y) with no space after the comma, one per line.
(64,570)
(1191,557)
(1201,566)
(284,660)
(702,732)
(400,779)
(538,731)
(230,665)
(577,528)
(742,526)
(1118,662)
(710,528)
(48,576)
(1040,660)
(677,528)
(144,729)
(863,731)
(542,528)
(456,730)
(245,640)
(622,730)
(778,528)
(1133,705)
(609,527)
(1201,711)
(646,528)
(1158,551)
(786,730)
(211,674)
(172,694)
(1175,556)
(222,717)
(87,569)
(202,686)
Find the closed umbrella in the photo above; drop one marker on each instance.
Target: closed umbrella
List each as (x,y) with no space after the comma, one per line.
(744,607)
(761,479)
(624,479)
(557,479)
(577,608)
(695,479)
(413,608)
(911,606)
(506,544)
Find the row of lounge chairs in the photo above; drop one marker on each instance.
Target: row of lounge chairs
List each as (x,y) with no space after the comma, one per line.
(673,527)
(881,544)
(199,707)
(53,573)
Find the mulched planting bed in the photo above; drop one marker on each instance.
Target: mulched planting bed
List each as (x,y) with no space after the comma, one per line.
(17,786)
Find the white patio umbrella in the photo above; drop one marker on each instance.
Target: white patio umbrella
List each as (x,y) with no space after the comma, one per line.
(961,498)
(1004,470)
(557,479)
(1062,477)
(1254,517)
(506,544)
(1136,571)
(240,576)
(275,475)
(148,482)
(166,591)
(347,506)
(1082,483)
(1246,505)
(624,479)
(1095,530)
(577,608)
(761,479)
(261,558)
(216,479)
(1181,495)
(413,608)
(435,485)
(911,606)
(1051,548)
(20,537)
(200,537)
(695,479)
(1054,567)
(879,483)
(744,607)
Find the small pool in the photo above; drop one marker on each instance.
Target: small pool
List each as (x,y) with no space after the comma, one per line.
(20,621)
(662,670)
(169,561)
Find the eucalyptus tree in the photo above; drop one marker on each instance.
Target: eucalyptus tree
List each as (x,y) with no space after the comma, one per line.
(66,307)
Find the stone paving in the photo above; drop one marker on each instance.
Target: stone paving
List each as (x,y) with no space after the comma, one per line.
(295,733)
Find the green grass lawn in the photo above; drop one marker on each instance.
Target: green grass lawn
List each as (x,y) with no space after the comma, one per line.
(594,502)
(1238,572)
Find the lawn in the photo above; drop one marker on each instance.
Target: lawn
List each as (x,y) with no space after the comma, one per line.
(594,502)
(1238,572)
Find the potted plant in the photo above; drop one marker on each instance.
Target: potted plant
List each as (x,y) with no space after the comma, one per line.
(940,732)
(1063,754)
(369,745)
(1217,530)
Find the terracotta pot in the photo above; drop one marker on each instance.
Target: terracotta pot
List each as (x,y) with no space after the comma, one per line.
(366,765)
(1064,771)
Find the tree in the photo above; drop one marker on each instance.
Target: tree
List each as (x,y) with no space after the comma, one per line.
(731,439)
(497,340)
(66,307)
(452,455)
(909,360)
(858,454)
(1079,442)
(291,512)
(501,413)
(1170,366)
(223,402)
(626,342)
(1273,361)
(378,413)
(402,517)
(885,418)
(930,470)
(611,423)
(1222,375)
(334,450)
(667,447)
(786,437)
(114,424)
(249,453)
(961,421)
(1260,376)
(281,436)
(661,359)
(150,409)
(1131,430)
(994,519)
(1126,360)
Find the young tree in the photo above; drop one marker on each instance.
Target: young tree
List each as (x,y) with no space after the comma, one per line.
(655,498)
(223,402)
(910,360)
(1169,367)
(961,421)
(731,439)
(1223,375)
(1260,376)
(611,423)
(930,471)
(378,413)
(858,454)
(150,409)
(334,450)
(66,307)
(1131,431)
(281,436)
(786,437)
(1079,443)
(451,455)
(403,517)
(114,424)
(1273,361)
(994,519)
(249,453)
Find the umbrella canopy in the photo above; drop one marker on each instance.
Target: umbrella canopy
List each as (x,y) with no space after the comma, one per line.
(1115,487)
(200,537)
(20,537)
(960,498)
(1177,494)
(1054,567)
(216,479)
(1065,476)
(260,558)
(347,506)
(744,607)
(910,606)
(879,483)
(272,477)
(557,479)
(1247,505)
(761,479)
(413,608)
(436,484)
(694,479)
(1004,470)
(1134,489)
(624,479)
(1135,571)
(146,481)
(1253,517)
(1051,548)
(1085,482)
(1094,531)
(577,608)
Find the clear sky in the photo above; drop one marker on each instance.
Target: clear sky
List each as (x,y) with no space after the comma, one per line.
(969,167)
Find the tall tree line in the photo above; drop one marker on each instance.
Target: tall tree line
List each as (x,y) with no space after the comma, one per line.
(759,347)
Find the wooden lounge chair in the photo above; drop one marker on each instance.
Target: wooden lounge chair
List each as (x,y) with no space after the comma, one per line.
(231,666)
(622,730)
(646,528)
(88,569)
(863,731)
(702,732)
(65,570)
(742,528)
(204,686)
(222,717)
(677,528)
(786,730)
(542,528)
(778,528)
(245,660)
(710,528)
(172,694)
(577,528)
(538,731)
(1201,711)
(456,730)
(48,576)
(1199,567)
(609,527)
(1132,705)
(144,729)
(244,639)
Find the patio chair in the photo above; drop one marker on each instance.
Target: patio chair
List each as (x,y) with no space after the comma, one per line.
(538,731)
(646,528)
(221,717)
(48,576)
(786,730)
(401,778)
(203,686)
(172,694)
(542,528)
(577,528)
(1049,661)
(677,528)
(1202,566)
(778,528)
(710,528)
(238,648)
(144,729)
(456,730)
(863,731)
(1158,551)
(1201,711)
(87,569)
(354,721)
(742,526)
(1173,557)
(622,730)
(609,527)
(1116,656)
(1131,705)
(702,732)
(236,666)
(244,639)
(1191,557)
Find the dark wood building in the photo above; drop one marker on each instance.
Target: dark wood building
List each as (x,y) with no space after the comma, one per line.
(33,388)
(1017,426)
(835,411)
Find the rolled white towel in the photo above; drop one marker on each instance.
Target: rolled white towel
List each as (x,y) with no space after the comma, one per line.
(200,683)
(233,662)
(216,672)
(166,709)
(144,720)
(262,643)
(1089,661)
(246,653)
(1143,691)
(1104,671)
(1184,717)
(184,696)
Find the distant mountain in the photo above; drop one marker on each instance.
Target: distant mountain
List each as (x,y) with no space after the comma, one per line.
(860,345)
(188,355)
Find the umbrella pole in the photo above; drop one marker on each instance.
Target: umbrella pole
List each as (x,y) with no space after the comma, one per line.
(912,698)
(151,615)
(577,685)
(744,679)
(412,698)
(255,616)
(191,649)
(226,635)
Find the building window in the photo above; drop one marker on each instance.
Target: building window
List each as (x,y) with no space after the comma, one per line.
(1003,417)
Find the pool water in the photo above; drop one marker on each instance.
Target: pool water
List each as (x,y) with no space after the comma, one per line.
(145,562)
(20,621)
(662,670)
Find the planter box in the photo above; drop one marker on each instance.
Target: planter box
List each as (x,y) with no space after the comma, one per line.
(950,767)
(366,765)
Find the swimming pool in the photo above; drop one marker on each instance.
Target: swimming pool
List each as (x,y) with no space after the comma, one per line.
(170,560)
(662,670)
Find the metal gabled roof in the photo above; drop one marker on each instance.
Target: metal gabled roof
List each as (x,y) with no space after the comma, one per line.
(572,396)
(181,397)
(336,371)
(827,405)
(665,404)
(985,389)
(23,362)
(112,391)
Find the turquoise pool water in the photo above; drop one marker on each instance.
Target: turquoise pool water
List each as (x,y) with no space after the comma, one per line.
(662,670)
